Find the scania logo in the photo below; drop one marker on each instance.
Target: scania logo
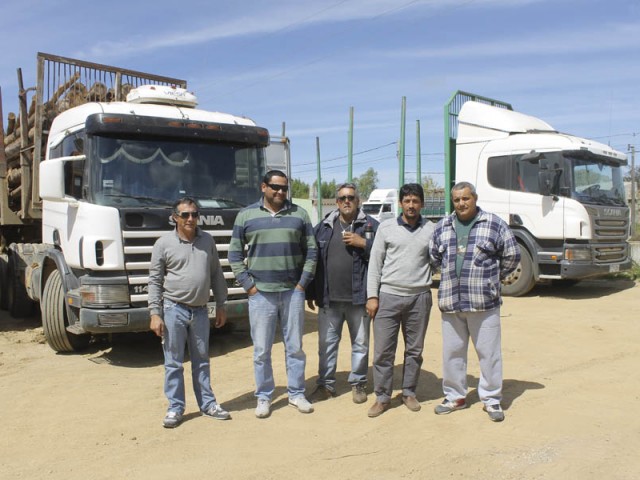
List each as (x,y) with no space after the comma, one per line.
(612,212)
(210,220)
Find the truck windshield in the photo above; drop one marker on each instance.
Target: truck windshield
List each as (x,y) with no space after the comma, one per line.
(597,182)
(152,172)
(371,208)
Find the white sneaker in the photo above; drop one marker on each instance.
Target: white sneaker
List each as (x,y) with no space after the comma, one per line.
(263,410)
(302,404)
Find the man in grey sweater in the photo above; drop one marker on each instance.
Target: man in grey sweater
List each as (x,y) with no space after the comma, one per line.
(399,296)
(184,266)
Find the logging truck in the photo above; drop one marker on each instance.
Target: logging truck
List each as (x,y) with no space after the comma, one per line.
(89,170)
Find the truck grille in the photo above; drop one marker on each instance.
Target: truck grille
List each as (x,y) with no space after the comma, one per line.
(611,229)
(610,253)
(137,254)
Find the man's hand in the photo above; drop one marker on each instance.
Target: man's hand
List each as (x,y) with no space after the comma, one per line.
(300,287)
(354,240)
(372,307)
(311,304)
(252,291)
(157,325)
(221,317)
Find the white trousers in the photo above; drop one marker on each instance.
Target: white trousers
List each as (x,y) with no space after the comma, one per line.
(484,330)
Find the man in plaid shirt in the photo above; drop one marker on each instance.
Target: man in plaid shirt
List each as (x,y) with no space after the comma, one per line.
(475,250)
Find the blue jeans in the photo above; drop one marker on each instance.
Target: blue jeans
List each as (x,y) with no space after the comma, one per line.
(330,322)
(186,326)
(265,310)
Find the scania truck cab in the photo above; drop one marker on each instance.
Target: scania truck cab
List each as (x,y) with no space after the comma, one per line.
(80,220)
(563,196)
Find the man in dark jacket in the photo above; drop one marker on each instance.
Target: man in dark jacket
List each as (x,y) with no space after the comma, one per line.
(339,289)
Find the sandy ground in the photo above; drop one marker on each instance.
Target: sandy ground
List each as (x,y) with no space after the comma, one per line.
(572,388)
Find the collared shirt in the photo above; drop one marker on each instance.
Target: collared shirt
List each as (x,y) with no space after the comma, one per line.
(184,271)
(411,228)
(281,249)
(492,254)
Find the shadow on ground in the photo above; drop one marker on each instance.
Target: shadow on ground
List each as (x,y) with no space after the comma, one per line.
(581,290)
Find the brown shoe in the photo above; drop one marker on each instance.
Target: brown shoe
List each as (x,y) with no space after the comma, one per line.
(411,403)
(378,409)
(321,393)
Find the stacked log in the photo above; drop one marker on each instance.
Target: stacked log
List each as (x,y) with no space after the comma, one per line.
(71,93)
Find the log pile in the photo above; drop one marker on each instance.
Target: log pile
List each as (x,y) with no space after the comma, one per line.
(71,93)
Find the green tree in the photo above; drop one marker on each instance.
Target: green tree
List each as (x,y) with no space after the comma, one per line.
(430,186)
(367,183)
(328,189)
(299,189)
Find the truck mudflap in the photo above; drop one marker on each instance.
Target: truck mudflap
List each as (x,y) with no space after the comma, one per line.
(123,320)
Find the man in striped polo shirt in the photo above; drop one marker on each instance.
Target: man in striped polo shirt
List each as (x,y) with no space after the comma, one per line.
(280,262)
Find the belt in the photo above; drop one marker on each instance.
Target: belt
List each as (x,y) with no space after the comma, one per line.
(190,307)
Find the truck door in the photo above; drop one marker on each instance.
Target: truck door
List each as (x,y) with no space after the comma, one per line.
(542,215)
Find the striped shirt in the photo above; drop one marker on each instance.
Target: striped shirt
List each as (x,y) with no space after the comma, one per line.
(492,254)
(281,249)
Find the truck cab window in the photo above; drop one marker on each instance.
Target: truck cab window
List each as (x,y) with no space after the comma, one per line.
(499,172)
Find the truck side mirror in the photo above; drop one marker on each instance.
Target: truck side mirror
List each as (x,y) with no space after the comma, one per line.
(545,182)
(52,177)
(52,180)
(548,178)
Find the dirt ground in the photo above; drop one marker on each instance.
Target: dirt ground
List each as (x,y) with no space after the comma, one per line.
(572,390)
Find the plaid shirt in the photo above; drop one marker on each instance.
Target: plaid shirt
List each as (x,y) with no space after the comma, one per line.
(492,254)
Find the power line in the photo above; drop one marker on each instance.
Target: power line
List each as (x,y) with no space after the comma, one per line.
(342,157)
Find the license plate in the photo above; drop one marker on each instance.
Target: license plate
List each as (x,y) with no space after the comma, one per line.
(211,307)
(614,268)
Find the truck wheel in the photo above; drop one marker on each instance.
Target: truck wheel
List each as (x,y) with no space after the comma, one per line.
(18,302)
(54,318)
(4,281)
(521,280)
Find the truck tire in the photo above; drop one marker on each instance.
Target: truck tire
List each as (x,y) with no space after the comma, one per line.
(4,281)
(54,318)
(18,302)
(521,280)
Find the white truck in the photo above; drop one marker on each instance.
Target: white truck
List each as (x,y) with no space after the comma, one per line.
(563,196)
(107,171)
(382,204)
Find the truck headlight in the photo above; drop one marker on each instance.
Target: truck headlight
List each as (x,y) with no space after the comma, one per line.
(577,254)
(101,296)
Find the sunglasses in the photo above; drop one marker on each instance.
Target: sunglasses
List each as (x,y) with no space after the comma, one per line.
(351,198)
(275,187)
(185,215)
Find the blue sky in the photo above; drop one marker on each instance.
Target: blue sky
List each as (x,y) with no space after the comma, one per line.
(573,63)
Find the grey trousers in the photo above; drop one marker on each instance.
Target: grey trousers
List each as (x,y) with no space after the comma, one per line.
(484,330)
(395,312)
